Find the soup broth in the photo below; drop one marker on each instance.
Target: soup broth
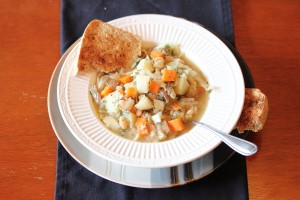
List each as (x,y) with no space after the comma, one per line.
(155,100)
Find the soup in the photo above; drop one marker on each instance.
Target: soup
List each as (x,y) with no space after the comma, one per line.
(155,100)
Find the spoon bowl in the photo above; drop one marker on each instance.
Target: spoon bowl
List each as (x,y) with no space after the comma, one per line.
(239,145)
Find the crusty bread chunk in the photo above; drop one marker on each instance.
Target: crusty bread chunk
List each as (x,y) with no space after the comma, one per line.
(107,48)
(254,112)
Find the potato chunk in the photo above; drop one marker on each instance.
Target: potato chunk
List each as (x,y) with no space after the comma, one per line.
(182,85)
(142,83)
(144,104)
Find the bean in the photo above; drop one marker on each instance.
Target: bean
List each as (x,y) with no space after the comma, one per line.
(123,123)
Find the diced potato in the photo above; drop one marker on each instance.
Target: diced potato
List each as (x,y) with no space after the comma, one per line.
(145,64)
(142,83)
(141,64)
(157,117)
(182,85)
(111,123)
(148,65)
(144,104)
(159,105)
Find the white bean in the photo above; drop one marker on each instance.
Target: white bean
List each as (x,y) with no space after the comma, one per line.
(158,62)
(127,105)
(123,123)
(138,113)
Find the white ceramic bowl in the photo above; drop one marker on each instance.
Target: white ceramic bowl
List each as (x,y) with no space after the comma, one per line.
(205,50)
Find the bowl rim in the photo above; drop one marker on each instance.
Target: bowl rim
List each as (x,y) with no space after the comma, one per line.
(151,163)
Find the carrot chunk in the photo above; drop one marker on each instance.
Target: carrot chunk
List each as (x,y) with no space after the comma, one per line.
(156,54)
(106,91)
(133,110)
(142,126)
(201,90)
(169,75)
(143,130)
(125,79)
(176,124)
(131,92)
(154,87)
(141,121)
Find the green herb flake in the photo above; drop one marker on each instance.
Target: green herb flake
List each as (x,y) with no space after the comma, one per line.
(209,90)
(167,47)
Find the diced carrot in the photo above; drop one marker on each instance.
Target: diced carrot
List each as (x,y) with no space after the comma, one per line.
(156,54)
(154,87)
(141,122)
(131,92)
(106,91)
(133,110)
(176,124)
(169,75)
(168,59)
(175,106)
(125,79)
(143,130)
(201,90)
(142,126)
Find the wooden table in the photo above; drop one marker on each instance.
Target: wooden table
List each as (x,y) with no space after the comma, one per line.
(267,35)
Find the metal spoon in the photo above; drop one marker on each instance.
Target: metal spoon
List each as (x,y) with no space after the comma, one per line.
(239,145)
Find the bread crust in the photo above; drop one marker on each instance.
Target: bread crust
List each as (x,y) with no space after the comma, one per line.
(107,48)
(255,111)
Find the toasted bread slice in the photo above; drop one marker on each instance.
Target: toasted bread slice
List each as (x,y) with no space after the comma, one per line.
(107,48)
(254,112)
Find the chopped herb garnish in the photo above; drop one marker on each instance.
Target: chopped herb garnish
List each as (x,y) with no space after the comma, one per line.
(167,46)
(137,62)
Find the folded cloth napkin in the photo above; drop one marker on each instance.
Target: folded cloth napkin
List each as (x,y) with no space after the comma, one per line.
(73,181)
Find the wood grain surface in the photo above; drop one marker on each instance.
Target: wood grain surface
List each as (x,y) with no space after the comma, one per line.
(267,35)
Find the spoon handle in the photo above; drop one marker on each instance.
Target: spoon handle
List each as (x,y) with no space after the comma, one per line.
(241,146)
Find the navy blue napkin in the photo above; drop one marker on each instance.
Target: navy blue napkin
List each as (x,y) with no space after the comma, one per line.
(73,181)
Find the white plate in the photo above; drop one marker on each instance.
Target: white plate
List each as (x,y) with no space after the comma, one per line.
(126,175)
(205,50)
